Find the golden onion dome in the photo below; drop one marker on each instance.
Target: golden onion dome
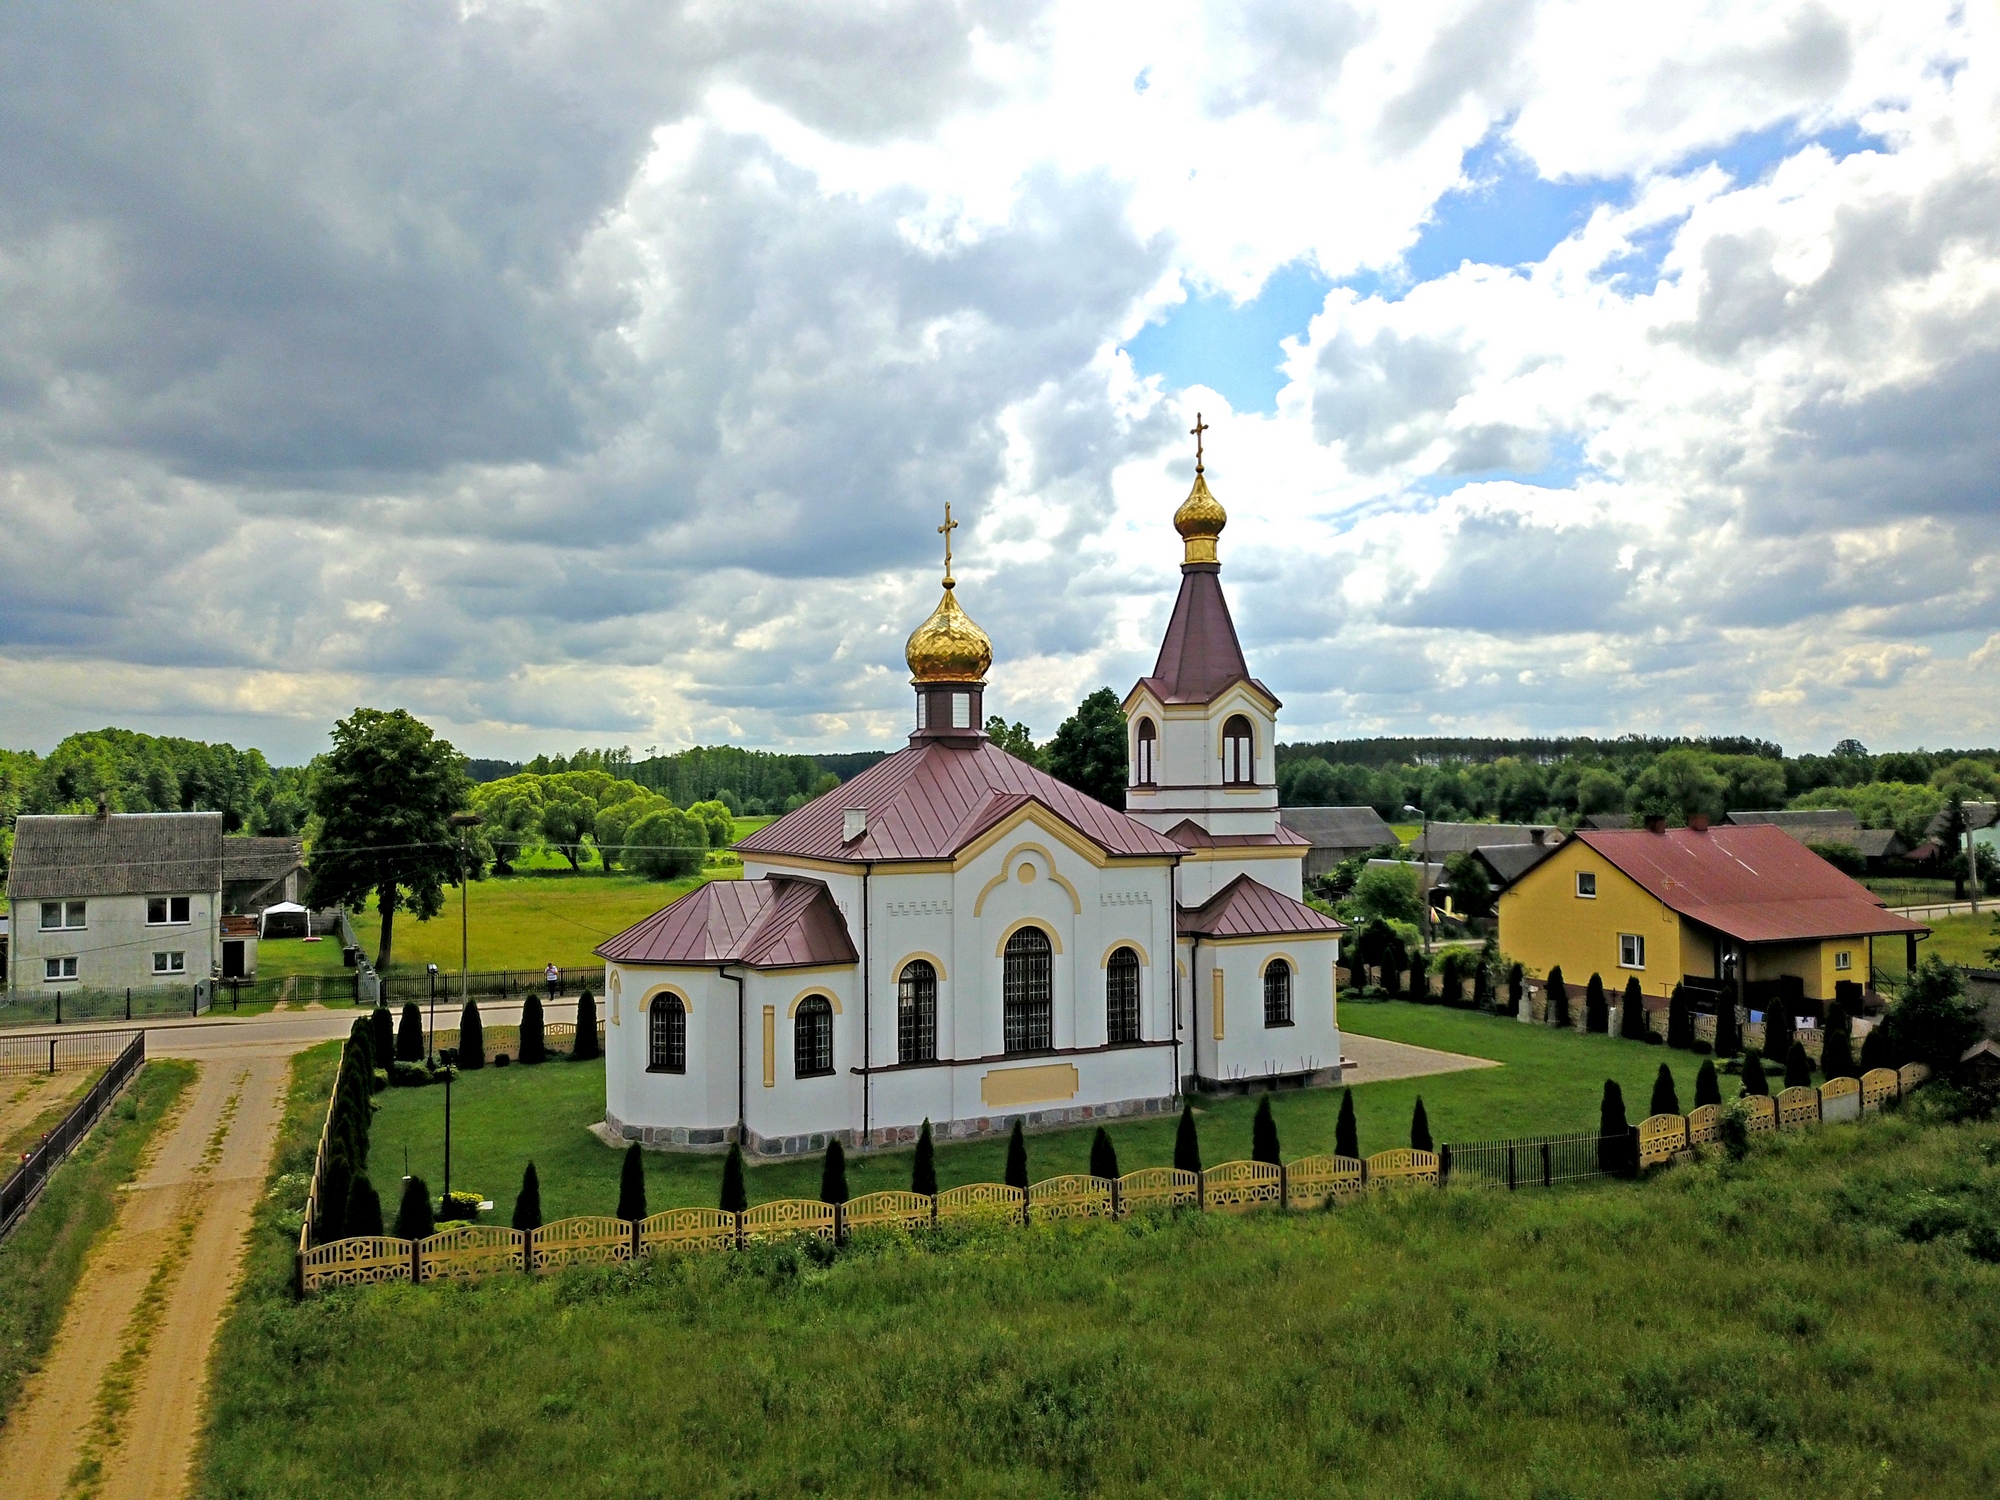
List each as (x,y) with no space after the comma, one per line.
(1200,521)
(948,647)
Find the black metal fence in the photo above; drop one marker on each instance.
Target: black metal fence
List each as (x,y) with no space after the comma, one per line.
(501,984)
(1537,1160)
(69,1052)
(27,1180)
(142,1002)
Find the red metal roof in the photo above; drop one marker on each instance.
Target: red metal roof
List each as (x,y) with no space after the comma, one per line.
(929,801)
(1247,908)
(1200,656)
(1191,835)
(1754,882)
(774,923)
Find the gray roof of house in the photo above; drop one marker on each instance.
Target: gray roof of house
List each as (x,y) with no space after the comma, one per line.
(1460,838)
(1339,827)
(122,854)
(1606,820)
(1977,815)
(1808,820)
(260,858)
(1509,862)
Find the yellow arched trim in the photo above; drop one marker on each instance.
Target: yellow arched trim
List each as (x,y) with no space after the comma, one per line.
(1144,961)
(1038,924)
(646,1001)
(807,994)
(1006,868)
(1274,958)
(1224,724)
(909,958)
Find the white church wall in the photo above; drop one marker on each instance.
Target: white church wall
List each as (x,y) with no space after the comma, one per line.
(781,1105)
(697,1107)
(1247,1049)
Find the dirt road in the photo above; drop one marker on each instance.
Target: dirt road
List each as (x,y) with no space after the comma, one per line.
(26,1097)
(116,1409)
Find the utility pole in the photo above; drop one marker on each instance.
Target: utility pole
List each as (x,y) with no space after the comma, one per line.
(1424,882)
(462,821)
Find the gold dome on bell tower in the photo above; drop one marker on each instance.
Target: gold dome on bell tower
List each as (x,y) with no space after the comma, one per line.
(1201,517)
(948,647)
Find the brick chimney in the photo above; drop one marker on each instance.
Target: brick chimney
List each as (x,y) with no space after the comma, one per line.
(1698,822)
(1656,823)
(104,807)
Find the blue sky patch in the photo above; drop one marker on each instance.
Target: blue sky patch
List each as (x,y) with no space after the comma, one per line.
(1232,347)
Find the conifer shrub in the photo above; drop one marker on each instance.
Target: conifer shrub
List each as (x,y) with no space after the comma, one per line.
(1264,1134)
(382,1035)
(528,1202)
(1680,1020)
(534,1046)
(335,1183)
(1754,1081)
(1517,986)
(1836,1058)
(1632,1013)
(364,1210)
(833,1173)
(471,1038)
(413,1214)
(1778,1029)
(1613,1133)
(1666,1098)
(632,1185)
(1017,1158)
(585,1046)
(1728,1028)
(734,1199)
(1482,987)
(1875,1049)
(410,1034)
(923,1171)
(1558,998)
(1596,1009)
(1187,1145)
(1392,974)
(1798,1067)
(1345,1140)
(1451,977)
(1103,1155)
(1420,1128)
(1420,978)
(1707,1087)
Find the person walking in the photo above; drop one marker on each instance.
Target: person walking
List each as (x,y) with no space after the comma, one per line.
(554,976)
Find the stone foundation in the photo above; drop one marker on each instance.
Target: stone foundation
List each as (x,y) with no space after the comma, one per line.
(681,1138)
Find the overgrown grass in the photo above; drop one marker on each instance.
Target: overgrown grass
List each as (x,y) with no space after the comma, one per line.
(41,1261)
(503,1117)
(1810,1322)
(1957,940)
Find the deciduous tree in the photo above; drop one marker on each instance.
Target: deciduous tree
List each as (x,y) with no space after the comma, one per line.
(1089,752)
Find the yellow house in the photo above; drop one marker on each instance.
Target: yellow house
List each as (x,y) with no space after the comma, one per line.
(1727,907)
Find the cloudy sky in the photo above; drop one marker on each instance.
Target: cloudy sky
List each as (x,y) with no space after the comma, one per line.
(597,373)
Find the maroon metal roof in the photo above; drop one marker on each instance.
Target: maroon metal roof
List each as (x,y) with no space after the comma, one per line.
(1248,908)
(774,923)
(1754,882)
(1200,656)
(929,801)
(1191,835)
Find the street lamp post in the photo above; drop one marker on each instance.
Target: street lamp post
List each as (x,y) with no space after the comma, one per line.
(430,1047)
(463,821)
(1424,881)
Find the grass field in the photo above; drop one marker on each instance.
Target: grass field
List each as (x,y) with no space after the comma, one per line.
(1957,940)
(1814,1321)
(503,1117)
(42,1259)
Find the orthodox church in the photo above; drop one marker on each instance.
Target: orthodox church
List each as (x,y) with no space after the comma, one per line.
(955,936)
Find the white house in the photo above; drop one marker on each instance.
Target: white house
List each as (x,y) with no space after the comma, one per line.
(955,936)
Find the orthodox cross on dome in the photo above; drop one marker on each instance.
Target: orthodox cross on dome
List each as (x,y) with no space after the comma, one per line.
(1198,429)
(945,531)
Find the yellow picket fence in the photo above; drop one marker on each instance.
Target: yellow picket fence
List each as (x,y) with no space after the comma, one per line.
(1404,1164)
(890,1209)
(981,1201)
(1315,1181)
(471,1250)
(1076,1196)
(589,1240)
(1158,1187)
(688,1229)
(1234,1187)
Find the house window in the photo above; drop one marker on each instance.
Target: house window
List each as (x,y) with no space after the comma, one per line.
(1843,960)
(166,911)
(1121,997)
(1631,950)
(58,968)
(169,963)
(961,710)
(1027,992)
(916,1013)
(1586,885)
(1239,752)
(667,1036)
(1148,742)
(58,916)
(1278,993)
(812,1037)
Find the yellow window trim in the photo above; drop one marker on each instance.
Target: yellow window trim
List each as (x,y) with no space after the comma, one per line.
(1055,942)
(646,1000)
(1138,948)
(907,959)
(1007,869)
(806,994)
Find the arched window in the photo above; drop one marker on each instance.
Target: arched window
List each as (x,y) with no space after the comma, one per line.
(1028,992)
(812,1037)
(916,1013)
(1148,742)
(1121,997)
(667,1036)
(1278,993)
(1239,752)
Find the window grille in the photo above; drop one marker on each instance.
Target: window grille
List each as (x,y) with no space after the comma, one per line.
(667,1036)
(1278,993)
(812,1037)
(916,1013)
(1121,996)
(1028,992)
(1239,755)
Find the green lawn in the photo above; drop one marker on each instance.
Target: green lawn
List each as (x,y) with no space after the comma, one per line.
(503,1117)
(1957,940)
(1814,1321)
